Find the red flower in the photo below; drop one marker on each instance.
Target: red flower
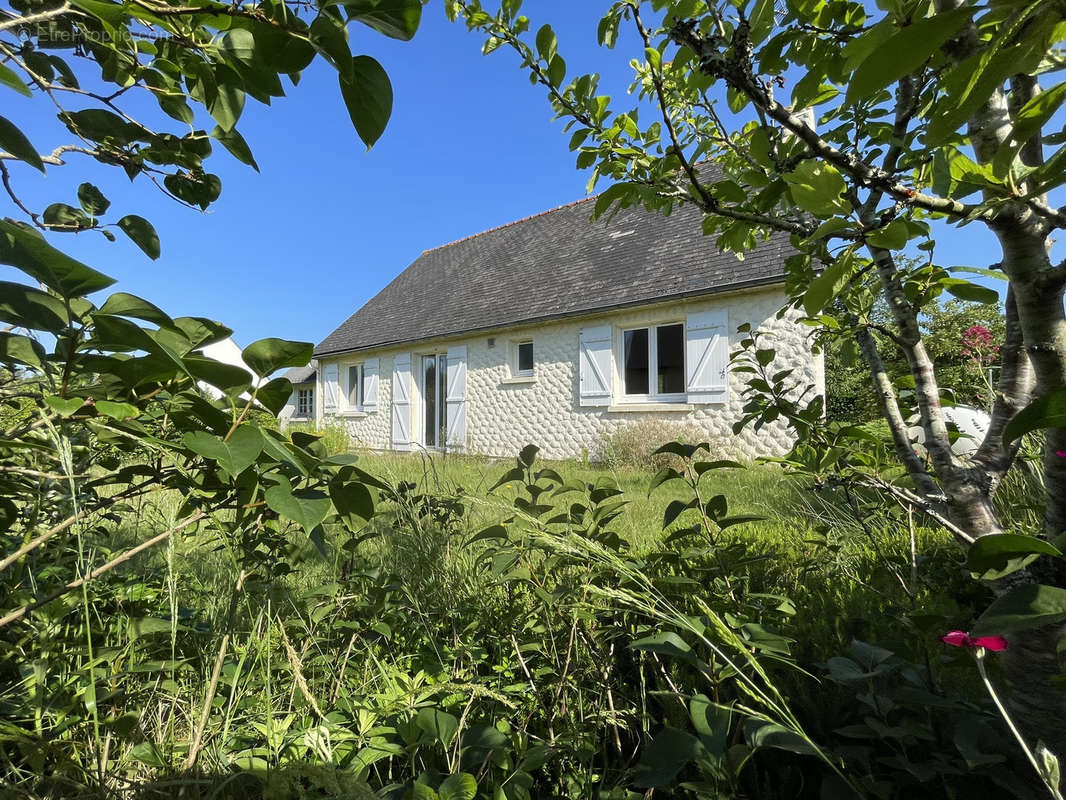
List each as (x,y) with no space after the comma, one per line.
(963,639)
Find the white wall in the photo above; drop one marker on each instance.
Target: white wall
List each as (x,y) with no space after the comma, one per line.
(504,413)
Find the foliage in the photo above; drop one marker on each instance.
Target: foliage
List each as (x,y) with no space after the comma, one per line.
(903,119)
(541,654)
(963,339)
(633,444)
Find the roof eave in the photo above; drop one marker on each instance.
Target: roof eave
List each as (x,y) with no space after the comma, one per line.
(585,312)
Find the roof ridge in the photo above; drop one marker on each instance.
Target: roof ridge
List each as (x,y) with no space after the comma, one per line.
(513,222)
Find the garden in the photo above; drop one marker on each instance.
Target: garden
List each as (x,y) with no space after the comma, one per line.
(197,603)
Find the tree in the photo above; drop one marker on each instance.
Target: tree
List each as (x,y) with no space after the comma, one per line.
(902,119)
(101,396)
(964,340)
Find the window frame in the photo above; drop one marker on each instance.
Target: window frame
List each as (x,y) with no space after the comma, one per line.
(346,406)
(651,396)
(516,369)
(308,407)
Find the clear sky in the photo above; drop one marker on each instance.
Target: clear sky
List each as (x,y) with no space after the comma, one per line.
(294,250)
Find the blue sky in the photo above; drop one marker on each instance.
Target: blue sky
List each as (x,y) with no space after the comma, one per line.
(296,249)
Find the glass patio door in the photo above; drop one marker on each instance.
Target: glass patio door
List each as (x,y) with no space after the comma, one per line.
(434,400)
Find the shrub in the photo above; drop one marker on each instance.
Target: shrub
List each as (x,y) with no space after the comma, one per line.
(333,437)
(633,444)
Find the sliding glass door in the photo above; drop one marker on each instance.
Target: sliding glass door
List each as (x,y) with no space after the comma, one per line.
(434,400)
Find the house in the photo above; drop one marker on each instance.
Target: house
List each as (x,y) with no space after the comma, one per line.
(555,330)
(301,405)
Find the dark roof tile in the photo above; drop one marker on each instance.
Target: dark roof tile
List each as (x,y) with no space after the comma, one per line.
(552,265)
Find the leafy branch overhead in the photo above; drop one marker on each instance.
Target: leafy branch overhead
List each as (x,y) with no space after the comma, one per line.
(94,63)
(852,135)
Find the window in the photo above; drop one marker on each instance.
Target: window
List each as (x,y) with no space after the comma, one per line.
(524,358)
(304,402)
(353,396)
(653,362)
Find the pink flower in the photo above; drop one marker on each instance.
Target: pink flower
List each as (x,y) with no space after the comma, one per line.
(1061,453)
(963,639)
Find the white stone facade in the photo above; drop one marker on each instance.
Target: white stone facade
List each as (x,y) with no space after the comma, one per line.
(505,412)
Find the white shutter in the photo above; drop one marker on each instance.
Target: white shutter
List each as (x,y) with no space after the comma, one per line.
(707,356)
(370,385)
(595,366)
(456,398)
(401,401)
(330,389)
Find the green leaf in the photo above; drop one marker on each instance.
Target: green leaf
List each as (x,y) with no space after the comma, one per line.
(528,455)
(92,200)
(306,507)
(227,378)
(110,13)
(15,349)
(458,787)
(15,142)
(762,734)
(995,550)
(891,237)
(121,304)
(64,406)
(828,285)
(817,187)
(666,756)
(28,251)
(1022,608)
(328,37)
(62,216)
(274,394)
(420,791)
(439,726)
(12,81)
(397,19)
(31,308)
(235,454)
(667,643)
(353,501)
(239,43)
(711,722)
(142,233)
(661,477)
(237,146)
(973,292)
(115,410)
(268,355)
(904,53)
(368,97)
(195,188)
(1027,122)
(1046,411)
(547,43)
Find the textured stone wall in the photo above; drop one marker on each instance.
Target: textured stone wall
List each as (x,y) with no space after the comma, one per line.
(504,413)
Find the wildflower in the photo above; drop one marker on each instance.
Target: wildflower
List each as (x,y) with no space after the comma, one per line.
(963,639)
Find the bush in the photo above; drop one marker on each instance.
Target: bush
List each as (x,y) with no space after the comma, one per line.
(633,444)
(333,437)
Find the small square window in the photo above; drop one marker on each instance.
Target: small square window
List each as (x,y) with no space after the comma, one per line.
(304,401)
(524,358)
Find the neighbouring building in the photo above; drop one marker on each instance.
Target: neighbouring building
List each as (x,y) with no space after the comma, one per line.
(301,405)
(555,330)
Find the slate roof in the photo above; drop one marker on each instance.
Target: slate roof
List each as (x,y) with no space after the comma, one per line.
(300,374)
(552,265)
